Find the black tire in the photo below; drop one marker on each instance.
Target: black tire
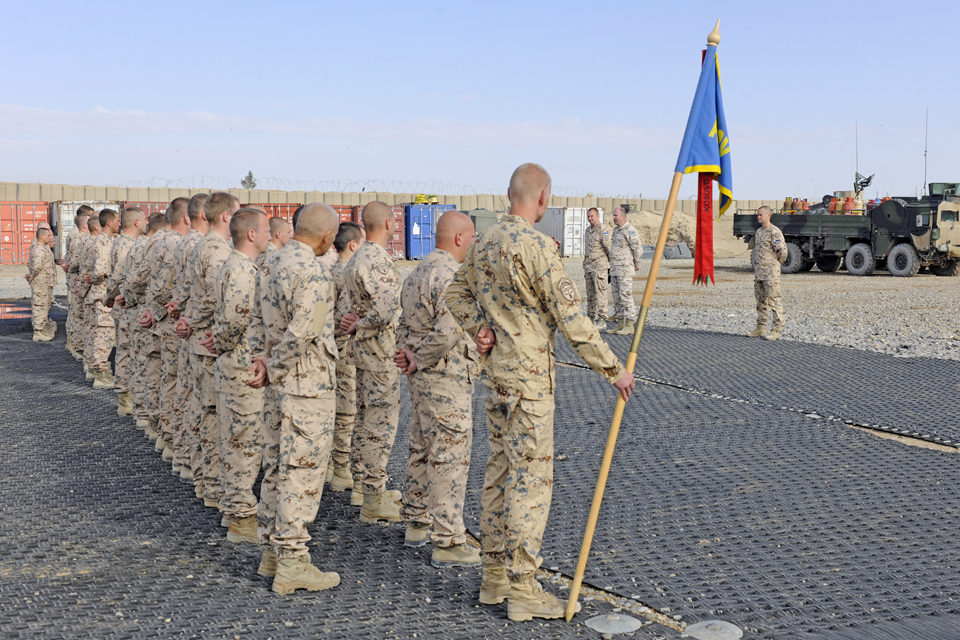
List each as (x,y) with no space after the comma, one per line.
(860,260)
(829,264)
(807,266)
(903,261)
(794,261)
(949,270)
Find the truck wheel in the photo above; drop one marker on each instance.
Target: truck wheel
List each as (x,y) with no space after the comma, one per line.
(860,260)
(794,260)
(829,264)
(903,261)
(950,269)
(807,266)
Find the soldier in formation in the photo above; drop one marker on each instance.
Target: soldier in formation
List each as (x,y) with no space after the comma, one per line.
(769,252)
(42,278)
(625,254)
(76,240)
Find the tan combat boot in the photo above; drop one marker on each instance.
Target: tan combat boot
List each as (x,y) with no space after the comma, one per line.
(103,380)
(760,330)
(626,329)
(773,335)
(186,475)
(69,346)
(167,453)
(150,431)
(90,375)
(160,445)
(495,586)
(329,476)
(599,323)
(342,480)
(213,503)
(125,404)
(243,530)
(356,496)
(142,423)
(528,600)
(376,508)
(612,318)
(417,535)
(620,324)
(299,573)
(268,563)
(459,555)
(40,336)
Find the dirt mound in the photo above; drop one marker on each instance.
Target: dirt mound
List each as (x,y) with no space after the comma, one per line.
(683,228)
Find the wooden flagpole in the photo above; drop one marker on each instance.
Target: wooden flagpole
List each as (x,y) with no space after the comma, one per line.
(714,39)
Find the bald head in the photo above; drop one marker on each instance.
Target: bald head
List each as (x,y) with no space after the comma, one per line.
(527,184)
(317,227)
(454,234)
(375,215)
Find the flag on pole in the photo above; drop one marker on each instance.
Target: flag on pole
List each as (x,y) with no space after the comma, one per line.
(706,149)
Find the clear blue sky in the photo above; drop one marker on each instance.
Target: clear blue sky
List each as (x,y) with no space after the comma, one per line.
(316,94)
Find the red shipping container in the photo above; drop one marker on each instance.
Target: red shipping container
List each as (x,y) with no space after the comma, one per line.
(395,247)
(18,226)
(149,208)
(284,210)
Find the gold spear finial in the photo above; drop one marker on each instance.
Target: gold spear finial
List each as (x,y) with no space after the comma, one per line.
(714,37)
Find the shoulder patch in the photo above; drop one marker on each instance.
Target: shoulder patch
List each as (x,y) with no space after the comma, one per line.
(633,232)
(567,289)
(383,268)
(778,239)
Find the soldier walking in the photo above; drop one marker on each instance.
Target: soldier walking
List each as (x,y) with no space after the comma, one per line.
(625,254)
(43,277)
(769,252)
(596,267)
(291,340)
(437,358)
(511,295)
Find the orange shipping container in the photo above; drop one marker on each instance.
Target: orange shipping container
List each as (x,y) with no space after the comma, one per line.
(18,226)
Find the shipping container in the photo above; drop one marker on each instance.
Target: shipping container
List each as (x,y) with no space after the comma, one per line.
(419,226)
(149,208)
(18,227)
(567,226)
(64,211)
(283,210)
(395,246)
(483,220)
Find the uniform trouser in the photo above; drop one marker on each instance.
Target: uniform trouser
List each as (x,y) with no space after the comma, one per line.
(518,484)
(241,442)
(40,300)
(767,293)
(441,435)
(101,335)
(122,361)
(138,361)
(304,437)
(270,433)
(623,305)
(596,282)
(183,442)
(207,430)
(346,413)
(151,374)
(71,313)
(169,362)
(378,410)
(80,324)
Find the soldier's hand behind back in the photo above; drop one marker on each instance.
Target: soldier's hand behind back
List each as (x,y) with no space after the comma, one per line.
(486,338)
(625,385)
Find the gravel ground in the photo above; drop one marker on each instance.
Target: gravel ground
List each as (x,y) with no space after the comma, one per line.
(907,317)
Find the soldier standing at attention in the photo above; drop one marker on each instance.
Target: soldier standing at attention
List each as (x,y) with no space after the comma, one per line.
(70,262)
(596,267)
(85,264)
(134,224)
(280,233)
(769,252)
(291,337)
(43,277)
(437,358)
(349,239)
(371,304)
(625,254)
(511,295)
(101,328)
(238,405)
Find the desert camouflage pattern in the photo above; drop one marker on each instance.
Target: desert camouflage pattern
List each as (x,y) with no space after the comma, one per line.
(186,450)
(624,304)
(74,304)
(203,265)
(159,293)
(263,256)
(138,359)
(596,248)
(767,293)
(122,360)
(769,252)
(103,329)
(625,250)
(346,380)
(43,277)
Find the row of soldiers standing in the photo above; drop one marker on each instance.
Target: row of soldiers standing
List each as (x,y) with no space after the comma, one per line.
(246,349)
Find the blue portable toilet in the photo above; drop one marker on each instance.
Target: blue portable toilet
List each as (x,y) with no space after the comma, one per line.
(420,238)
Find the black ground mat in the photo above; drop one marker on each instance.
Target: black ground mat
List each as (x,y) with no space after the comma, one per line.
(916,396)
(779,523)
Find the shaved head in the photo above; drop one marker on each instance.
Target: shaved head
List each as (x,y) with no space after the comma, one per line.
(130,216)
(450,224)
(375,214)
(195,208)
(317,219)
(93,222)
(528,182)
(277,224)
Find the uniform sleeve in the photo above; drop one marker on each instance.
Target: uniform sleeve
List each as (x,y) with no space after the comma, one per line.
(231,324)
(309,304)
(101,264)
(462,301)
(86,267)
(182,281)
(605,241)
(403,327)
(33,265)
(384,301)
(446,333)
(635,247)
(256,334)
(780,246)
(205,307)
(161,285)
(561,298)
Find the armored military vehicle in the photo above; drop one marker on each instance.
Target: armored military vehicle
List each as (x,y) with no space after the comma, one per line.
(904,234)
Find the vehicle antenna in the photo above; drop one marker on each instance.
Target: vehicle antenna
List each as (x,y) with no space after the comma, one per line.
(926,130)
(856,143)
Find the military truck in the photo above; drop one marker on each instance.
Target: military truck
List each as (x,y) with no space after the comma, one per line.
(902,234)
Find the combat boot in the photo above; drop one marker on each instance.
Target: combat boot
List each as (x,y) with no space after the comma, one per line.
(612,318)
(175,470)
(268,563)
(104,380)
(459,555)
(356,496)
(599,323)
(760,330)
(88,373)
(417,535)
(626,329)
(225,520)
(142,423)
(620,324)
(773,335)
(160,445)
(125,404)
(299,573)
(528,600)
(213,503)
(69,346)
(377,507)
(40,336)
(342,479)
(149,431)
(167,453)
(186,475)
(495,586)
(243,530)
(329,472)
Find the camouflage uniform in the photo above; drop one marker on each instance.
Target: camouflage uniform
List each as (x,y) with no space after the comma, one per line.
(159,293)
(292,324)
(329,259)
(596,268)
(74,258)
(769,252)
(83,318)
(263,256)
(186,449)
(204,264)
(513,282)
(441,389)
(346,379)
(122,360)
(625,254)
(132,310)
(371,290)
(238,405)
(43,277)
(148,345)
(74,239)
(103,328)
